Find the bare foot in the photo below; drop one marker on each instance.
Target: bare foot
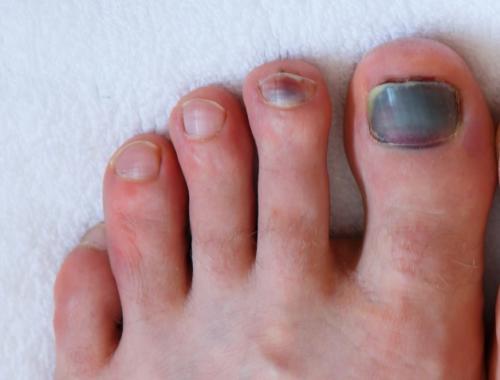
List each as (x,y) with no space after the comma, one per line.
(269,295)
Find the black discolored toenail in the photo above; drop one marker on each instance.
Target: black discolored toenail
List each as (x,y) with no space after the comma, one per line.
(413,114)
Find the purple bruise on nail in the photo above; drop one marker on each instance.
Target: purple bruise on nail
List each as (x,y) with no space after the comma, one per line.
(413,114)
(287,90)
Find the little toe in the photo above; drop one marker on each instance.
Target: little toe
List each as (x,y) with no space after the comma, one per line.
(420,140)
(145,206)
(211,136)
(290,113)
(87,309)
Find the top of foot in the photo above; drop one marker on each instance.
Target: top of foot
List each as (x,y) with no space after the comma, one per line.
(257,289)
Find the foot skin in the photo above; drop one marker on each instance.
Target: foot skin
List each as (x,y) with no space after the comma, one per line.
(265,293)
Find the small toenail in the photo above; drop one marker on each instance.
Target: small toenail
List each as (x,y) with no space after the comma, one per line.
(203,118)
(95,237)
(286,90)
(413,114)
(138,161)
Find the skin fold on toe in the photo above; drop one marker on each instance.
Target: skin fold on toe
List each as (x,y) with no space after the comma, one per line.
(244,198)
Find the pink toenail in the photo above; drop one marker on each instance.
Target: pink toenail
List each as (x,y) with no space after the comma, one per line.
(203,118)
(95,237)
(138,161)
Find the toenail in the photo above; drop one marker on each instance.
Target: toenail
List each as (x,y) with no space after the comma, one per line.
(202,118)
(95,237)
(413,114)
(286,90)
(138,161)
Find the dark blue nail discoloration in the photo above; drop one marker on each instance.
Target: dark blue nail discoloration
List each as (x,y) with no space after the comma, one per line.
(286,90)
(413,114)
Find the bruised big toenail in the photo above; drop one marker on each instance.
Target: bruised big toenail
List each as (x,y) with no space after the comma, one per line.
(95,238)
(286,90)
(137,161)
(414,114)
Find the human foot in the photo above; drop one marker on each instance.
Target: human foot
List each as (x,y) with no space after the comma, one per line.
(287,302)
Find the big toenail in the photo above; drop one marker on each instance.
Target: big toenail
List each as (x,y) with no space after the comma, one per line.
(413,114)
(95,238)
(202,118)
(286,90)
(138,161)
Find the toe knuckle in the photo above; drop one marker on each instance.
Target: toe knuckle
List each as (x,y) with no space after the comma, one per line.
(276,342)
(434,255)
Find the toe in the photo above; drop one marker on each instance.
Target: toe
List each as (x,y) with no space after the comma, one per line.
(289,111)
(145,209)
(88,312)
(420,141)
(213,142)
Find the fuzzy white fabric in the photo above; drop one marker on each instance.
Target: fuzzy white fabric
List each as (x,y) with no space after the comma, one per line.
(79,77)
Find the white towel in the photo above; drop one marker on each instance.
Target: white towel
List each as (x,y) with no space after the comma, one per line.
(79,77)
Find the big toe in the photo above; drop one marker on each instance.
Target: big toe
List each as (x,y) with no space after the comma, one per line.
(420,140)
